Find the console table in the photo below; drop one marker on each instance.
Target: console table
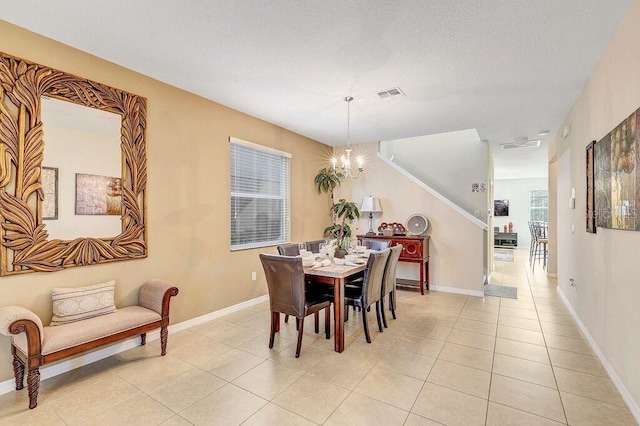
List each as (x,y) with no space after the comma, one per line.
(505,239)
(414,250)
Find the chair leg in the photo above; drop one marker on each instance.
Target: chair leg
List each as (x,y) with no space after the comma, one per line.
(300,332)
(18,372)
(379,316)
(392,303)
(316,322)
(143,339)
(327,322)
(346,312)
(366,325)
(272,336)
(33,385)
(286,318)
(384,317)
(164,333)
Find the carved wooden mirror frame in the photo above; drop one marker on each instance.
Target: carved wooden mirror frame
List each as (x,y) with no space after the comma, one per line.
(24,243)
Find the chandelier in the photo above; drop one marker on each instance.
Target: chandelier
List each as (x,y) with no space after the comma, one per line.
(344,166)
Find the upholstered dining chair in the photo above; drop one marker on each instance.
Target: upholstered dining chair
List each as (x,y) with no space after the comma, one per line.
(293,250)
(314,246)
(288,250)
(287,295)
(376,244)
(369,294)
(389,282)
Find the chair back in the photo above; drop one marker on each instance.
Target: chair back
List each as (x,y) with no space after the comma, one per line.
(376,244)
(285,280)
(389,280)
(539,230)
(288,250)
(314,246)
(373,275)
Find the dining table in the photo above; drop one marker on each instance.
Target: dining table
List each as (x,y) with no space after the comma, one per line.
(336,276)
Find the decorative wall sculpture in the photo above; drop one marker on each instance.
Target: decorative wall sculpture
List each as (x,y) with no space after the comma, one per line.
(25,246)
(617,182)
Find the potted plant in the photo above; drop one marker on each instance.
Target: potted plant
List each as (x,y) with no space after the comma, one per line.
(341,232)
(327,180)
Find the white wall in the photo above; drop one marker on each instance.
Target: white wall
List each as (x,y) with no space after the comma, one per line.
(456,243)
(449,163)
(605,265)
(517,192)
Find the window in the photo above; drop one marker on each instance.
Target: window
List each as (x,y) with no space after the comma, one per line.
(538,205)
(259,195)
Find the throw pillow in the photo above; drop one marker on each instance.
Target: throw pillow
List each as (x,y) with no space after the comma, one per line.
(79,303)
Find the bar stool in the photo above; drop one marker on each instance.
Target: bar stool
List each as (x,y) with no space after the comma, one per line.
(541,241)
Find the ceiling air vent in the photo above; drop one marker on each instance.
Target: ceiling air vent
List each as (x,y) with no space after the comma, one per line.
(391,93)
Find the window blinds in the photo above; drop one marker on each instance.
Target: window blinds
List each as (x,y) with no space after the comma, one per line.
(259,195)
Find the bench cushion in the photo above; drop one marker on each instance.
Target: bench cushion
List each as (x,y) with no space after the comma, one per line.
(65,336)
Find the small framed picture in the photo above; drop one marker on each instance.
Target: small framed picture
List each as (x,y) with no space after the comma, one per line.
(501,207)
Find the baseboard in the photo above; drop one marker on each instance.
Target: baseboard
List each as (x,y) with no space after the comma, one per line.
(628,399)
(114,349)
(476,293)
(217,314)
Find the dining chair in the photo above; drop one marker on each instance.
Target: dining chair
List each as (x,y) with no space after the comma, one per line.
(288,295)
(389,282)
(314,246)
(376,244)
(288,250)
(369,294)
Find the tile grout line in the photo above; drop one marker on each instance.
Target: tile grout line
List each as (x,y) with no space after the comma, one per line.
(546,347)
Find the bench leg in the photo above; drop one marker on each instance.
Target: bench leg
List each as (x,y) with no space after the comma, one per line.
(143,339)
(18,371)
(163,340)
(33,383)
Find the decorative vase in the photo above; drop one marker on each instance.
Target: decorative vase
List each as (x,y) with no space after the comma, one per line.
(505,228)
(510,227)
(340,253)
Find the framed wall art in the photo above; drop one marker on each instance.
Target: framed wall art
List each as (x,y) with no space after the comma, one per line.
(616,176)
(98,195)
(591,201)
(501,207)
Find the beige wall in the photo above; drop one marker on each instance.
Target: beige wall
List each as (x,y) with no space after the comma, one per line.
(188,195)
(456,244)
(605,265)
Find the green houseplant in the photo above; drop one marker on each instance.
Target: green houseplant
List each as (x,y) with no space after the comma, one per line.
(343,210)
(327,180)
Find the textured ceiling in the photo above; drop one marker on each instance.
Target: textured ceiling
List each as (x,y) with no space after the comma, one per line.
(508,68)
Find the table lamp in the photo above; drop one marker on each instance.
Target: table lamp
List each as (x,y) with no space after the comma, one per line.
(370,205)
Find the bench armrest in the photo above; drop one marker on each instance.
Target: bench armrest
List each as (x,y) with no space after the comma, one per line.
(16,319)
(156,294)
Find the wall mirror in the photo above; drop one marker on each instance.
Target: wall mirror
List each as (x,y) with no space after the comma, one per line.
(54,121)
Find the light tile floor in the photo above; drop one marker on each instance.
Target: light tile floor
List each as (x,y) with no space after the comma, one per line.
(447,359)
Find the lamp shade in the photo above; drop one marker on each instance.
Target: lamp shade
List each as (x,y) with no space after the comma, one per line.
(370,205)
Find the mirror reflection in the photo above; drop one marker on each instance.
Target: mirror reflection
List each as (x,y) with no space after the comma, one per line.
(82,149)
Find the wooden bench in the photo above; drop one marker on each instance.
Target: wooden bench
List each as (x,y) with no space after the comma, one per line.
(33,345)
